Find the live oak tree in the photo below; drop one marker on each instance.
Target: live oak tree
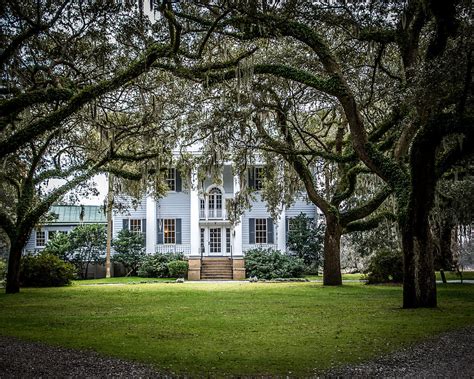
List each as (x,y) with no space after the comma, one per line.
(417,59)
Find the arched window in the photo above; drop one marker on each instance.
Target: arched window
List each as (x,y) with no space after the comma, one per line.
(215,203)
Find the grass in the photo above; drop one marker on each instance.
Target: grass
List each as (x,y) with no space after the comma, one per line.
(450,275)
(122,280)
(344,277)
(232,328)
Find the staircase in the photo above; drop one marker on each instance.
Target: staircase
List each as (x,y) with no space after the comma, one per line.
(216,269)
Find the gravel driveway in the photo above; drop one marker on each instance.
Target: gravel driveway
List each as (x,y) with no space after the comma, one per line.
(448,355)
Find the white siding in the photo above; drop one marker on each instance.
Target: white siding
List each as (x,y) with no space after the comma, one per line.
(31,245)
(301,205)
(129,213)
(177,205)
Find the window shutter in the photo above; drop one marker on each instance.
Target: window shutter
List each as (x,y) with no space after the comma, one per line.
(125,223)
(144,228)
(159,223)
(179,185)
(178,231)
(269,230)
(287,222)
(251,176)
(251,231)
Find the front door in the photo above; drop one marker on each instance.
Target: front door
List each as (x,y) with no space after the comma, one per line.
(215,241)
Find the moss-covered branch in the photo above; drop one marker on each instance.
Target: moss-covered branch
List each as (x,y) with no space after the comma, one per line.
(369,223)
(54,119)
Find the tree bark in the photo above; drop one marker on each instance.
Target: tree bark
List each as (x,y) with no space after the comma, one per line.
(14,261)
(419,281)
(332,252)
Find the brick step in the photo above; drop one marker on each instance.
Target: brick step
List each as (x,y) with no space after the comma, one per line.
(217,277)
(225,268)
(218,266)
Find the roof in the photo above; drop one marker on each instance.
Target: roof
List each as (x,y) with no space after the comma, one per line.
(77,214)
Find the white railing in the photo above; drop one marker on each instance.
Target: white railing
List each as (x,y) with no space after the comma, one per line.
(213,214)
(163,249)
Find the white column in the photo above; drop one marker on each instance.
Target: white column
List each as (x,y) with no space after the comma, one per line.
(195,232)
(281,230)
(237,247)
(151,231)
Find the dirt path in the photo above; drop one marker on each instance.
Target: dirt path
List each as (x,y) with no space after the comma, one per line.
(448,355)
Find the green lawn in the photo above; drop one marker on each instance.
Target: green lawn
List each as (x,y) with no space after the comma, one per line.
(450,275)
(232,328)
(122,280)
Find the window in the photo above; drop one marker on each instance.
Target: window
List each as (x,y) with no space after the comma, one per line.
(202,208)
(169,233)
(215,203)
(260,230)
(227,240)
(258,178)
(171,179)
(136,225)
(215,240)
(40,238)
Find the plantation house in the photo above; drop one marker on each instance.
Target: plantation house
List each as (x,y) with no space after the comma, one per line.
(191,219)
(194,221)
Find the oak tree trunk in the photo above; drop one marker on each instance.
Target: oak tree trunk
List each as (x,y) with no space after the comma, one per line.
(419,282)
(332,252)
(14,261)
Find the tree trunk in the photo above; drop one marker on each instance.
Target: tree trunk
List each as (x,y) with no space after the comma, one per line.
(442,233)
(110,203)
(419,282)
(14,261)
(332,252)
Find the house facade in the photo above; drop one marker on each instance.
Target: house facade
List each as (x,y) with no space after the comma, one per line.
(64,218)
(194,221)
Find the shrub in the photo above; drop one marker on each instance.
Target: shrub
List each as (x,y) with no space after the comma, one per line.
(385,266)
(306,241)
(130,250)
(87,244)
(45,270)
(271,264)
(3,271)
(156,265)
(178,269)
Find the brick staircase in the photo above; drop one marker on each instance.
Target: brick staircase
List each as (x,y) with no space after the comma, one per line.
(216,269)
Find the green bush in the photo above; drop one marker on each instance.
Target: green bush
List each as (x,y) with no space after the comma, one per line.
(178,269)
(156,265)
(384,267)
(271,264)
(3,271)
(130,250)
(45,270)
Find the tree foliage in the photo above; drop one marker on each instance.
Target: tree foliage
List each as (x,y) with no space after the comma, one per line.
(129,250)
(87,246)
(305,239)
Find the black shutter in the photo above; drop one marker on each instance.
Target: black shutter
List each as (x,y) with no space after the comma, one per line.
(144,228)
(179,185)
(269,230)
(251,231)
(125,223)
(251,176)
(178,231)
(159,223)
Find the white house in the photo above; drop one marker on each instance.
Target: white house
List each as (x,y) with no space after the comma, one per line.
(194,221)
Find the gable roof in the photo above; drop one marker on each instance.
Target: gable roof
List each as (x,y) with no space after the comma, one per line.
(76,214)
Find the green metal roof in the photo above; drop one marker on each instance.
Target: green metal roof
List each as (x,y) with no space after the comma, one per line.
(77,214)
